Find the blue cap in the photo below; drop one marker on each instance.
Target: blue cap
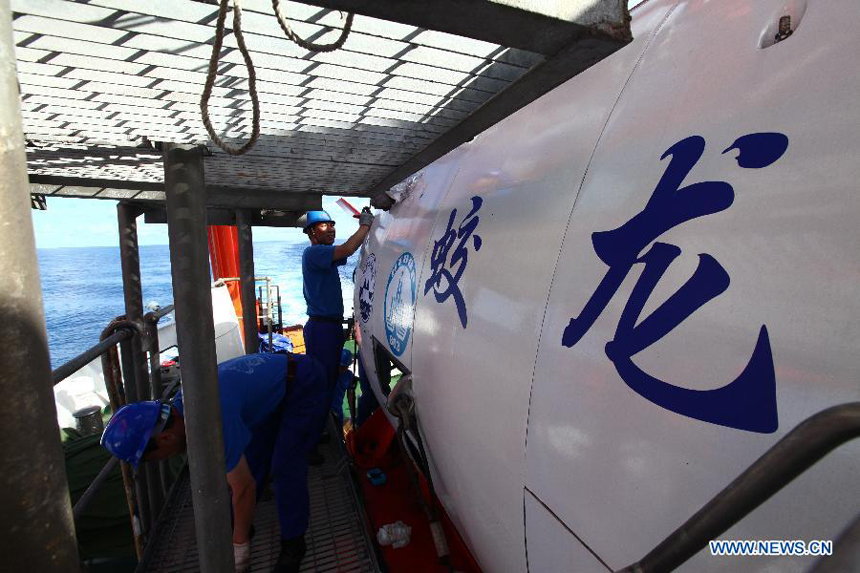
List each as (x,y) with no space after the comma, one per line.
(345,357)
(129,430)
(313,217)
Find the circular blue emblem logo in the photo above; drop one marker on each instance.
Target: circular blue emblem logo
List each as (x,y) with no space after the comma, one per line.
(399,303)
(368,286)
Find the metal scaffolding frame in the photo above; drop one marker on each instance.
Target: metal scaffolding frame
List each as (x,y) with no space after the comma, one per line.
(412,82)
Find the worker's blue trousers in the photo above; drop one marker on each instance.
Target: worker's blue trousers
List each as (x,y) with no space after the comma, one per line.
(324,341)
(281,444)
(344,379)
(367,403)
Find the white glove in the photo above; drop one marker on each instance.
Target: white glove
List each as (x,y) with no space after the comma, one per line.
(366,218)
(242,556)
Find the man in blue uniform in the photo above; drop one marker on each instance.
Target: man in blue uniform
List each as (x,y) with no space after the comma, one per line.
(367,403)
(270,408)
(323,331)
(344,380)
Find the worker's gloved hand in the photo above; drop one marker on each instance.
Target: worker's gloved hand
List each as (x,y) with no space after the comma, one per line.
(242,556)
(366,218)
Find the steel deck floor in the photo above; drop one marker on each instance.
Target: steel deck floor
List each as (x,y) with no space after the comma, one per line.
(336,538)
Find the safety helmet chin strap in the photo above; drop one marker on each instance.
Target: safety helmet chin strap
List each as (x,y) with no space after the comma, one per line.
(163,418)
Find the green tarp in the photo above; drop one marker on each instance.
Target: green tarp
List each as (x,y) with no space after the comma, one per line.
(104,529)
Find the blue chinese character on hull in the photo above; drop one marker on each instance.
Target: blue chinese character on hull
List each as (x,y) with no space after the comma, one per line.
(460,259)
(749,401)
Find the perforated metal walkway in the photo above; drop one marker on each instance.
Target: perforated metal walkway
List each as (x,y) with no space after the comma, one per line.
(336,538)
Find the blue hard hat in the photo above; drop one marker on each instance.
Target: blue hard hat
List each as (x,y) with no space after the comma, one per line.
(128,431)
(345,357)
(313,217)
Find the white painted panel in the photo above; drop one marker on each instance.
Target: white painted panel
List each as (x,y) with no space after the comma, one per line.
(400,234)
(472,382)
(83,389)
(228,340)
(620,470)
(56,27)
(551,548)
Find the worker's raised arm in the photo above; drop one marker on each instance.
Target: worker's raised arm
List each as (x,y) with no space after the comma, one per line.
(365,220)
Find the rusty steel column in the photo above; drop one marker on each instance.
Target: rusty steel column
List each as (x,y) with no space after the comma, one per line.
(113,375)
(246,272)
(195,330)
(133,295)
(138,387)
(38,532)
(144,512)
(150,338)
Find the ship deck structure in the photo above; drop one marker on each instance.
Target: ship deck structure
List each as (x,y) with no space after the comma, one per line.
(101,100)
(204,113)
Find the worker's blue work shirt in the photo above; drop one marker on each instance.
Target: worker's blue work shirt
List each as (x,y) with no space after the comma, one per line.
(322,282)
(251,389)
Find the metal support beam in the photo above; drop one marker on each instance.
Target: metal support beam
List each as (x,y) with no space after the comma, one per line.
(245,198)
(155,213)
(141,492)
(542,27)
(216,195)
(112,374)
(195,330)
(246,272)
(151,496)
(39,534)
(133,296)
(150,337)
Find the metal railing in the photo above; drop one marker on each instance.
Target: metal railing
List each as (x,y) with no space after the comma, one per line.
(84,358)
(116,367)
(796,452)
(271,318)
(266,320)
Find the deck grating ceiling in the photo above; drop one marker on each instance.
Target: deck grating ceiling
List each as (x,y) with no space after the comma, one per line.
(102,80)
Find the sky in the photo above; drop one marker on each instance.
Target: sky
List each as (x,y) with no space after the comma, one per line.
(93,223)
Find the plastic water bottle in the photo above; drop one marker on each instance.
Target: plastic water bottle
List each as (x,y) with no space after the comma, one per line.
(394,534)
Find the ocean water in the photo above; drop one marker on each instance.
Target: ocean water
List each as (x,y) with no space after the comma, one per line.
(82,288)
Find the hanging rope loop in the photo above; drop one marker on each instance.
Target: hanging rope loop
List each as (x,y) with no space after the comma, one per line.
(310,46)
(252,76)
(213,71)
